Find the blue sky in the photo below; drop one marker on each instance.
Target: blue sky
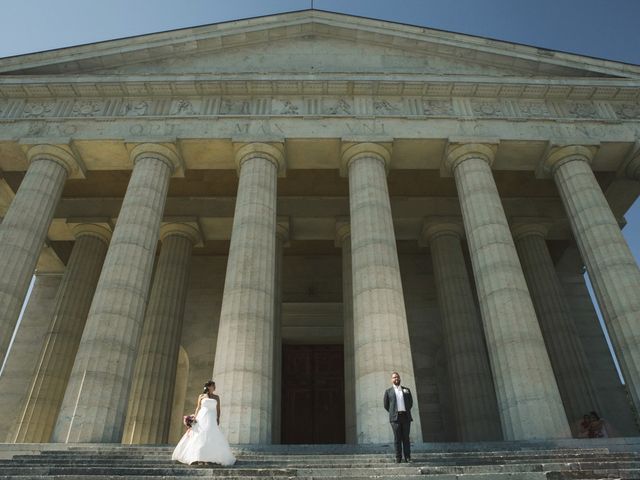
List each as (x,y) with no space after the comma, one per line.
(600,28)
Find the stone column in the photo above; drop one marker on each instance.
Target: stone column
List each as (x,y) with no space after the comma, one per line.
(150,402)
(611,266)
(380,321)
(567,356)
(343,240)
(243,366)
(282,237)
(632,168)
(24,228)
(95,402)
(614,402)
(528,398)
(472,387)
(67,320)
(22,360)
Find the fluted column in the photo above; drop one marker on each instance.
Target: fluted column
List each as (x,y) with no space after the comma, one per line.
(24,228)
(380,321)
(243,366)
(343,240)
(22,360)
(151,397)
(567,356)
(282,237)
(95,402)
(474,397)
(611,266)
(528,398)
(67,319)
(632,169)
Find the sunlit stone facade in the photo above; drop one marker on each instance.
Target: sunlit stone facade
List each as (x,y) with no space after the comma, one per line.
(300,204)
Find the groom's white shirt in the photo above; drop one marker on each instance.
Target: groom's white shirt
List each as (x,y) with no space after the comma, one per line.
(399,398)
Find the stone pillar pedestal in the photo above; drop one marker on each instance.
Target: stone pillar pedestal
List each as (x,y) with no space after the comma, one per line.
(567,356)
(67,323)
(282,237)
(150,402)
(611,266)
(380,321)
(95,402)
(24,228)
(472,387)
(22,361)
(528,398)
(343,240)
(243,367)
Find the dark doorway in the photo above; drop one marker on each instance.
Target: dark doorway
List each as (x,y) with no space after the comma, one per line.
(312,394)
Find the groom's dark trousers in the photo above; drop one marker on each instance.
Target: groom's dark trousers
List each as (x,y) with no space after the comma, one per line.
(401,429)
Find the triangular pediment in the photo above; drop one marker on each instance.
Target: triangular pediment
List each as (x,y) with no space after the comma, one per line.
(311,42)
(312,55)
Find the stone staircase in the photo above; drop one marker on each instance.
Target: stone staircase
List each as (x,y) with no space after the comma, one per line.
(562,460)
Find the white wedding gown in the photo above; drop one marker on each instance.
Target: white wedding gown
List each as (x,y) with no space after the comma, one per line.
(204,442)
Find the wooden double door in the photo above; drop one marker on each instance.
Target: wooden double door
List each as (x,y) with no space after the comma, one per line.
(313,394)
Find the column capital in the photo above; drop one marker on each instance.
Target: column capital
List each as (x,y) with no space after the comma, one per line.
(632,169)
(101,228)
(351,151)
(60,154)
(457,152)
(165,152)
(560,154)
(527,226)
(434,227)
(188,227)
(271,151)
(283,229)
(343,230)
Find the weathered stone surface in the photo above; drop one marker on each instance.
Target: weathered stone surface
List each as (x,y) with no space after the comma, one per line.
(22,362)
(67,320)
(154,377)
(379,317)
(467,362)
(23,231)
(528,398)
(568,358)
(243,366)
(105,359)
(612,268)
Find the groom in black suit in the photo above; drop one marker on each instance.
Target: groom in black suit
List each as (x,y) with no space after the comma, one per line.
(398,402)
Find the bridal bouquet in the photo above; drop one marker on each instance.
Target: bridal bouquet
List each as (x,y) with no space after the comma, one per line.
(189,420)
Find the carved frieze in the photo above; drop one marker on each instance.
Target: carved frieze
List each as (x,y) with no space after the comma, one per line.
(437,107)
(627,111)
(338,106)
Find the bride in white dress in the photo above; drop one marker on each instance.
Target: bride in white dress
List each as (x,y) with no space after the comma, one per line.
(204,442)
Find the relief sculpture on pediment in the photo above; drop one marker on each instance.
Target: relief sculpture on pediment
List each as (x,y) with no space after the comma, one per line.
(534,109)
(386,107)
(184,107)
(39,109)
(437,107)
(627,111)
(235,107)
(341,107)
(581,110)
(487,109)
(87,109)
(136,109)
(286,107)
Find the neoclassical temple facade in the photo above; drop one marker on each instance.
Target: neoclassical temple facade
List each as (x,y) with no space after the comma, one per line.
(298,205)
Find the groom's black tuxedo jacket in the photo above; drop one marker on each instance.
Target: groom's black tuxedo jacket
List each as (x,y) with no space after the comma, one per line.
(390,403)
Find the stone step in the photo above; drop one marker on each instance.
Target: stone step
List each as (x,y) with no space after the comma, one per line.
(132,471)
